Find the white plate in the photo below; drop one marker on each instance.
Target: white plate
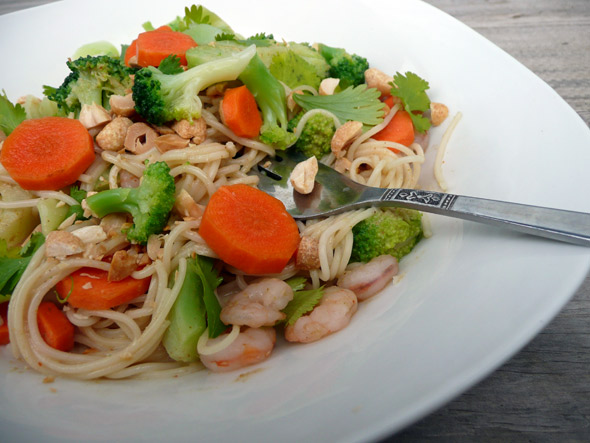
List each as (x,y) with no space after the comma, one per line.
(470,296)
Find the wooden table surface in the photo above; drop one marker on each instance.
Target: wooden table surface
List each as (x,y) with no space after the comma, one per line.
(543,393)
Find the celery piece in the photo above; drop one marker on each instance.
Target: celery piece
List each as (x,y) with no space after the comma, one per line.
(16,224)
(96,48)
(52,213)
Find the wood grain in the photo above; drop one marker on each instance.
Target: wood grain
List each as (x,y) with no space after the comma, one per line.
(543,393)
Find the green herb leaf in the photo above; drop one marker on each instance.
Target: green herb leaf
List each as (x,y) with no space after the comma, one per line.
(225,36)
(302,303)
(148,26)
(77,194)
(13,262)
(411,89)
(354,103)
(171,65)
(10,115)
(296,283)
(196,14)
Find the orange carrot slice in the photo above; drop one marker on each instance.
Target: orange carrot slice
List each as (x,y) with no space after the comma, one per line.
(399,130)
(88,288)
(47,153)
(54,326)
(240,112)
(155,46)
(249,229)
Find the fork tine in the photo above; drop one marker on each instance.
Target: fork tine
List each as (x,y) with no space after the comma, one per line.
(331,189)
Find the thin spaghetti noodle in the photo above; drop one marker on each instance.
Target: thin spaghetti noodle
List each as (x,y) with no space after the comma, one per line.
(126,341)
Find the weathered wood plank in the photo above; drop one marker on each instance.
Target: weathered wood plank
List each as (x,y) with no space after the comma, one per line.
(542,394)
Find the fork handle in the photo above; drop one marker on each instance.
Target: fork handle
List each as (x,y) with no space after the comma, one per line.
(557,224)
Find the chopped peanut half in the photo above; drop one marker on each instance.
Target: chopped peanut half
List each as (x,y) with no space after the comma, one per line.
(342,165)
(122,105)
(344,136)
(379,80)
(186,206)
(196,129)
(438,113)
(91,234)
(93,116)
(112,137)
(168,142)
(328,86)
(308,256)
(62,244)
(303,175)
(123,265)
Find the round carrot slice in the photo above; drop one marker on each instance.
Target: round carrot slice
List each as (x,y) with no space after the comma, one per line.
(249,229)
(89,288)
(240,112)
(155,46)
(47,153)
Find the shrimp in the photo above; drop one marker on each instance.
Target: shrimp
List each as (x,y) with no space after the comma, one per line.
(367,279)
(251,346)
(332,314)
(259,304)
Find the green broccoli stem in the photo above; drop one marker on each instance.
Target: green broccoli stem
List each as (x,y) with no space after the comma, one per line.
(114,200)
(89,96)
(268,91)
(187,319)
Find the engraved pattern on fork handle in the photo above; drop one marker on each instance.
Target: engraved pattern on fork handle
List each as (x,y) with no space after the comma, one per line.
(562,225)
(430,198)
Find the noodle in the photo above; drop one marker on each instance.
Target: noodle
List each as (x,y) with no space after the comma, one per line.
(126,341)
(438,174)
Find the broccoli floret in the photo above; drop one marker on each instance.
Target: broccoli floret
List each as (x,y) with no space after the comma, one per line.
(160,98)
(267,90)
(92,80)
(149,204)
(388,231)
(316,135)
(272,101)
(349,68)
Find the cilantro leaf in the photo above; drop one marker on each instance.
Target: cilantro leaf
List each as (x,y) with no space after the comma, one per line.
(196,14)
(302,303)
(10,115)
(13,263)
(77,194)
(411,89)
(296,283)
(225,36)
(354,103)
(171,65)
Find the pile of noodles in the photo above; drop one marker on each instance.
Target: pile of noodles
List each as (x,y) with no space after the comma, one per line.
(126,341)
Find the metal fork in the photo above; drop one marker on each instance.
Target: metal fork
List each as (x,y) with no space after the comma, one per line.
(334,193)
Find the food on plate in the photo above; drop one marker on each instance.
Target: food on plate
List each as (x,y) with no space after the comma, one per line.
(133,239)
